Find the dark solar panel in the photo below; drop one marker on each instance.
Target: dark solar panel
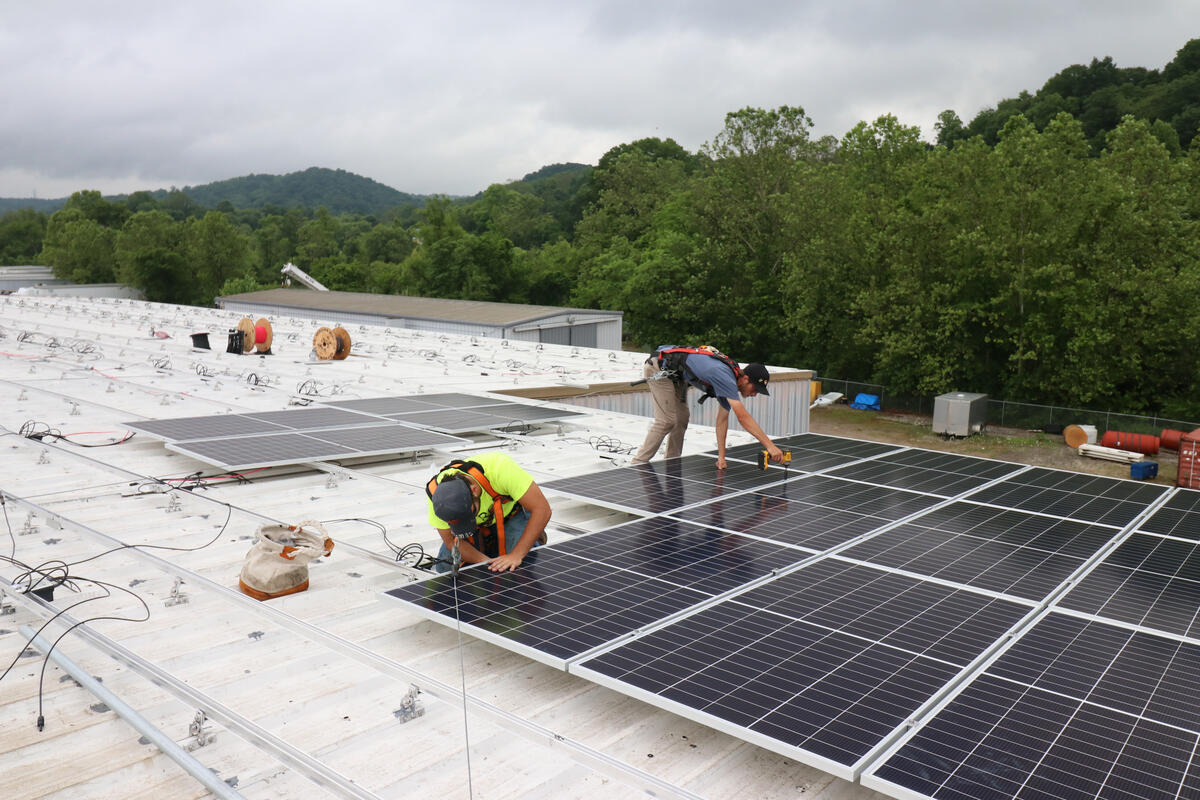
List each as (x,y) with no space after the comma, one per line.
(182,429)
(829,659)
(1110,501)
(246,452)
(949,462)
(662,486)
(523,413)
(1075,708)
(684,554)
(1180,516)
(912,477)
(1002,551)
(814,448)
(454,420)
(813,512)
(554,606)
(1149,581)
(302,419)
(384,405)
(458,400)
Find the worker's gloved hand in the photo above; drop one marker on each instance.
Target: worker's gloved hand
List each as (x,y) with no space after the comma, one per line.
(775,454)
(505,563)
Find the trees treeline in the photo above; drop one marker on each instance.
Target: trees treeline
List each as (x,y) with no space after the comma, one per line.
(1033,268)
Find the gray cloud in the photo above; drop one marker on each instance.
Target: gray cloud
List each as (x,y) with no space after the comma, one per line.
(452,96)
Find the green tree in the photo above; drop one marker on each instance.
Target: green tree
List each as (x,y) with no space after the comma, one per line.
(216,251)
(78,248)
(150,257)
(21,235)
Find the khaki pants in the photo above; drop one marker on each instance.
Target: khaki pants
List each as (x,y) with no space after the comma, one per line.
(671,415)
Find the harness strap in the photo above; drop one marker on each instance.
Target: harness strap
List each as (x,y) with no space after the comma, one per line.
(475,471)
(674,359)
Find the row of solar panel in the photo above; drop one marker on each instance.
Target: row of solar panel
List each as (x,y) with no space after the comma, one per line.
(347,429)
(887,599)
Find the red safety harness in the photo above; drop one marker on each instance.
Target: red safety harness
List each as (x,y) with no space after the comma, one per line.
(475,471)
(673,360)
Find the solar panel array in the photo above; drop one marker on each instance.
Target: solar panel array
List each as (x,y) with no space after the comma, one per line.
(932,624)
(341,429)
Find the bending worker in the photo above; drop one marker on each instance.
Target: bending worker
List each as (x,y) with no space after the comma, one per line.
(715,374)
(492,507)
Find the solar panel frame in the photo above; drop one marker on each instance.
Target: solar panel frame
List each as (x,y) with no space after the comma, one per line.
(725,692)
(1090,498)
(660,487)
(846,450)
(811,512)
(1010,552)
(1072,707)
(281,449)
(179,429)
(453,420)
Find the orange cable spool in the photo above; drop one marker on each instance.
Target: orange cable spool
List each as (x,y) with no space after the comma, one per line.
(343,344)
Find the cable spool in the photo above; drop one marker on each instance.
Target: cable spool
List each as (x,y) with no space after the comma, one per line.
(247,328)
(263,335)
(343,344)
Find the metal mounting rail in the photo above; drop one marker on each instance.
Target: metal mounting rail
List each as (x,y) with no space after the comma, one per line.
(314,770)
(577,751)
(204,775)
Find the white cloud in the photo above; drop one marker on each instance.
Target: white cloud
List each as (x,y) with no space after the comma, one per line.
(452,96)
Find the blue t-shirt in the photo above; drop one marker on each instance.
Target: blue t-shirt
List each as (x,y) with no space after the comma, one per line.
(712,371)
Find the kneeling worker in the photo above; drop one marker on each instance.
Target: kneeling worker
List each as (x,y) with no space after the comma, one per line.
(715,374)
(492,507)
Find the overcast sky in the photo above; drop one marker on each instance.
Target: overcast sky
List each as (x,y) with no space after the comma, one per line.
(447,96)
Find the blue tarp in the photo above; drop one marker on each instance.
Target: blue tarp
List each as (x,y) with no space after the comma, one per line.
(867,402)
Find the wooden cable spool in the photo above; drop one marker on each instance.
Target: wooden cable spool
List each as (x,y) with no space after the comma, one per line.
(247,328)
(343,343)
(325,344)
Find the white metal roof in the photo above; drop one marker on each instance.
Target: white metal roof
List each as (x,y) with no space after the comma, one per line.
(305,693)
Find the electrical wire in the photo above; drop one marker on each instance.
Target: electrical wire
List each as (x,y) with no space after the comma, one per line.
(33,429)
(409,555)
(57,572)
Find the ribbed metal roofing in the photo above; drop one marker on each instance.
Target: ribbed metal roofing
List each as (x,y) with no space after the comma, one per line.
(403,306)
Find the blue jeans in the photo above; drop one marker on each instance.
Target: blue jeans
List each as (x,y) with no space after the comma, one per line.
(514,527)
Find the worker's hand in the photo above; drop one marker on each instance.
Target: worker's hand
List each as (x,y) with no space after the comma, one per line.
(775,454)
(721,462)
(506,563)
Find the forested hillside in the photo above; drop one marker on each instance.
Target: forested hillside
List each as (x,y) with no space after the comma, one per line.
(1043,266)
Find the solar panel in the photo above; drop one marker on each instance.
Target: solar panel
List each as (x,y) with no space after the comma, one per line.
(301,419)
(578,595)
(523,413)
(457,400)
(384,405)
(658,487)
(1012,552)
(187,429)
(822,664)
(942,474)
(1074,708)
(813,448)
(1149,581)
(191,428)
(1090,498)
(454,420)
(813,512)
(249,452)
(1180,516)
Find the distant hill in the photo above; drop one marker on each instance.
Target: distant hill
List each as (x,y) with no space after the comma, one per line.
(335,189)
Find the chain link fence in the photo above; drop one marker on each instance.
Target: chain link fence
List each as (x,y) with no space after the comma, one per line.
(1007,414)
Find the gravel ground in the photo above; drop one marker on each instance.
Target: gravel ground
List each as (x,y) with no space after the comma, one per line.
(1006,444)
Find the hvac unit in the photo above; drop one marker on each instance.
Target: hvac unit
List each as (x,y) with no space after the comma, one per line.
(959,413)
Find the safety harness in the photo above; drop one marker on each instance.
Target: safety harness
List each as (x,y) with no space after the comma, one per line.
(673,361)
(482,536)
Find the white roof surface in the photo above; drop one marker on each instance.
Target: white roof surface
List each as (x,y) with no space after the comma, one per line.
(304,694)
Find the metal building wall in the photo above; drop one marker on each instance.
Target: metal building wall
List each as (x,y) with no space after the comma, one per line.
(784,413)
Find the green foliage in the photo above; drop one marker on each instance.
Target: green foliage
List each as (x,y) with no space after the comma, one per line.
(21,235)
(334,189)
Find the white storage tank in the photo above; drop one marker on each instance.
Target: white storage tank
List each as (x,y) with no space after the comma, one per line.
(959,413)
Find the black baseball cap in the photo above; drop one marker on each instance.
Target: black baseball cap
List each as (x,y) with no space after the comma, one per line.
(454,503)
(758,376)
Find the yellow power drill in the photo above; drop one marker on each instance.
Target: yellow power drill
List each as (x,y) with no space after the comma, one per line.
(787,459)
